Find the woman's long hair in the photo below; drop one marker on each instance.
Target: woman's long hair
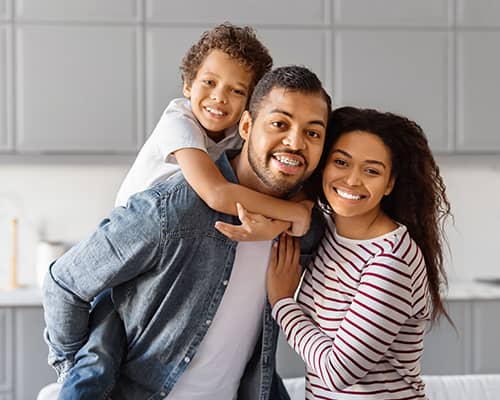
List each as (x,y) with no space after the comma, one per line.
(418,199)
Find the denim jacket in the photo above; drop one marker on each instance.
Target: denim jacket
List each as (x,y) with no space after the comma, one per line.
(168,268)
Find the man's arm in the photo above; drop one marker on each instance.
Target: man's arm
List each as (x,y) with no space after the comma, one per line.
(124,245)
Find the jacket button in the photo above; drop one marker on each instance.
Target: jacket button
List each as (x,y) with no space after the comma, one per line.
(186,359)
(225,283)
(208,321)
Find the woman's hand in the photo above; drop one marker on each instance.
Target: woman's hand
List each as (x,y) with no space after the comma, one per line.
(254,227)
(284,272)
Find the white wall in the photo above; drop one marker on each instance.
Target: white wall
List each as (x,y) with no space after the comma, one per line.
(61,202)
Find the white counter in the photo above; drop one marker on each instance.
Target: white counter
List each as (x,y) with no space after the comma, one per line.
(458,290)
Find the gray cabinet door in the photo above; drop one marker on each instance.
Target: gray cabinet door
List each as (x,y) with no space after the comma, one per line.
(446,351)
(6,356)
(485,348)
(31,371)
(5,89)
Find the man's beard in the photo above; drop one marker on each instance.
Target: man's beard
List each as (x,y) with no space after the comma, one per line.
(279,187)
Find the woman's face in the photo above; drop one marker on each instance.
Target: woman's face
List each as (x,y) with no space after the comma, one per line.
(357,174)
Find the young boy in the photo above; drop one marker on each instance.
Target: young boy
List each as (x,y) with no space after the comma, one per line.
(219,73)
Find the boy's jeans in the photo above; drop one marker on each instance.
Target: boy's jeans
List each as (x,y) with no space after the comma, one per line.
(97,364)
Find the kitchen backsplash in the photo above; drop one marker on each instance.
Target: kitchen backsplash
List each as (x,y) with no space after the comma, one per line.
(66,202)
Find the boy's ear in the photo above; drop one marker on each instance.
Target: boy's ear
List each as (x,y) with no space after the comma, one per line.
(245,125)
(186,90)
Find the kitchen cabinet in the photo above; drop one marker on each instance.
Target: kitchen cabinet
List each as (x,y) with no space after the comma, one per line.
(23,353)
(470,349)
(91,77)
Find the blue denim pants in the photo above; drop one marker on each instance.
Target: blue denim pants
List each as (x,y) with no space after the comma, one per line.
(97,364)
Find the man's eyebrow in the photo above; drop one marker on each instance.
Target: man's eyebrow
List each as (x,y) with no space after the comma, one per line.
(345,153)
(280,111)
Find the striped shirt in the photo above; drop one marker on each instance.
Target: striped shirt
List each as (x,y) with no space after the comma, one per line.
(360,317)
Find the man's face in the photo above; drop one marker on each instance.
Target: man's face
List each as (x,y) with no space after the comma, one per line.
(284,142)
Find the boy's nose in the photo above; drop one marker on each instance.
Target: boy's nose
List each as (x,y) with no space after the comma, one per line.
(218,96)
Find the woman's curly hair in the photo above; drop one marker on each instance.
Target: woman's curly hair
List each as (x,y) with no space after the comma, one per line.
(240,43)
(418,199)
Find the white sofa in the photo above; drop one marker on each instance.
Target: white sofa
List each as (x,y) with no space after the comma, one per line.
(438,387)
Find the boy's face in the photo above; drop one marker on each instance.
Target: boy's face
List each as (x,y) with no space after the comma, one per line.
(219,92)
(284,142)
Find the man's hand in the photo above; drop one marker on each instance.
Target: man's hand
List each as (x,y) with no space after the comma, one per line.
(254,227)
(285,271)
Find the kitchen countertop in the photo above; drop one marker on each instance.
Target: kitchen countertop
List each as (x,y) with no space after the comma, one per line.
(458,290)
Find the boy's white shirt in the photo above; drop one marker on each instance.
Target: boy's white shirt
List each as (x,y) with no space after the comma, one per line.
(177,129)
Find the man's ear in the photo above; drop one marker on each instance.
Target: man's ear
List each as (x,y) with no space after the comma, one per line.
(390,185)
(245,125)
(186,90)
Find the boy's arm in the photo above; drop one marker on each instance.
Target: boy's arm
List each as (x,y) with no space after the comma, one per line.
(219,194)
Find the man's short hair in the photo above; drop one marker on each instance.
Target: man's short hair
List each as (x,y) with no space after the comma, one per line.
(239,43)
(294,78)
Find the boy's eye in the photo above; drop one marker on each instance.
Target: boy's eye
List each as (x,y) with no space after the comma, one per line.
(239,92)
(208,82)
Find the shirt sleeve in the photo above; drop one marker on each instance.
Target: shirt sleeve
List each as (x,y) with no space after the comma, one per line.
(177,130)
(380,307)
(125,244)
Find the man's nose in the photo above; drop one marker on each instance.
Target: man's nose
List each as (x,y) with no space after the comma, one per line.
(294,140)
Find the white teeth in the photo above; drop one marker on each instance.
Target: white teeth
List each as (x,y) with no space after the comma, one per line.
(288,161)
(348,196)
(214,111)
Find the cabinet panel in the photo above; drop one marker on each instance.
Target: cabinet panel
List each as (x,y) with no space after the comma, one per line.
(393,12)
(5,89)
(281,12)
(485,349)
(163,59)
(32,370)
(5,7)
(478,85)
(78,10)
(77,89)
(283,45)
(6,356)
(446,351)
(480,13)
(406,73)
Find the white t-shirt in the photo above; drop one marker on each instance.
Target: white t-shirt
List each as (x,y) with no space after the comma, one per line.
(216,369)
(177,129)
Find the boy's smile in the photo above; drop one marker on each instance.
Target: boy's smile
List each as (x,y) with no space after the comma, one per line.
(219,93)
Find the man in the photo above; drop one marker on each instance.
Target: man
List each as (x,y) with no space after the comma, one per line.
(192,301)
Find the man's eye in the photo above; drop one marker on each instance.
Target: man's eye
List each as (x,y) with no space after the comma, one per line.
(278,124)
(239,92)
(313,134)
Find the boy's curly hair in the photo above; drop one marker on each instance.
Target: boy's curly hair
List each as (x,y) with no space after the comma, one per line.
(240,43)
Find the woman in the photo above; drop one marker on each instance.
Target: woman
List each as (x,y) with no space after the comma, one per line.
(361,311)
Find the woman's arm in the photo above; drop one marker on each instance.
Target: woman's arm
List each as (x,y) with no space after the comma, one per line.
(219,194)
(364,336)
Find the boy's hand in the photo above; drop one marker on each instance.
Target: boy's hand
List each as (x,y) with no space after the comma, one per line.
(254,227)
(300,226)
(284,272)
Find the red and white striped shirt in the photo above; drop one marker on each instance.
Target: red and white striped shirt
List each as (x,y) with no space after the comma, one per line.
(360,317)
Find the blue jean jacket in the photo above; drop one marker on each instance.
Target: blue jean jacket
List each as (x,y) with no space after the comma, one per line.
(168,268)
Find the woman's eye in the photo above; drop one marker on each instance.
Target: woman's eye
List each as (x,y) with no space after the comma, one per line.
(278,124)
(372,171)
(340,163)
